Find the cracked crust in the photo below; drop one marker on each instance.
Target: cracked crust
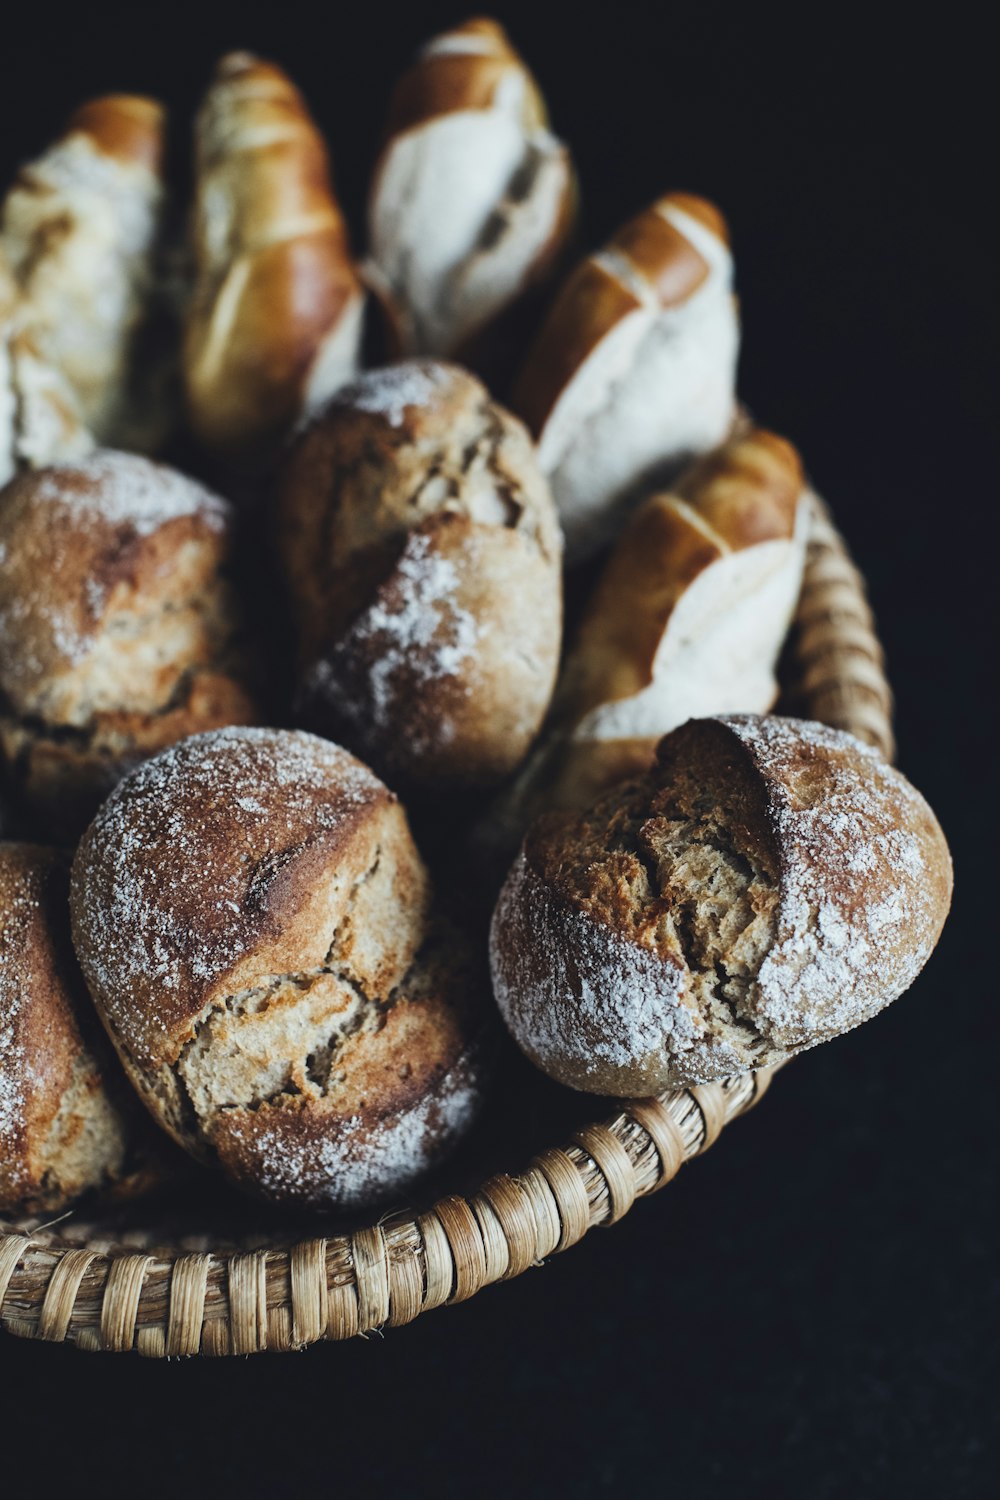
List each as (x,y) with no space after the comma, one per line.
(423,559)
(252,918)
(768,885)
(61,1133)
(119,630)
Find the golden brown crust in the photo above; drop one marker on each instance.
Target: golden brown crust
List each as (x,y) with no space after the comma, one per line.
(660,264)
(275,284)
(251,915)
(769,884)
(419,540)
(128,127)
(119,629)
(464,73)
(60,1134)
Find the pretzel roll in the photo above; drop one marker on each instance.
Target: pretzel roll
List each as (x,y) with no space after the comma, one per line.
(254,922)
(79,232)
(633,372)
(687,618)
(769,884)
(473,198)
(422,554)
(119,630)
(61,1130)
(40,418)
(275,319)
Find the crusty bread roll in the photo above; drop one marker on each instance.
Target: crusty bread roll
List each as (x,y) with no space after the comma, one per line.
(687,618)
(633,372)
(473,198)
(275,318)
(119,629)
(79,233)
(770,884)
(254,923)
(422,554)
(61,1131)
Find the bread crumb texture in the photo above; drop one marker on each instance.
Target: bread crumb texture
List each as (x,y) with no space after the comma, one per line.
(770,884)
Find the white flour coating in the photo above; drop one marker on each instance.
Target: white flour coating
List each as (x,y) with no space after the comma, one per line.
(390,391)
(859,911)
(158,857)
(17,1077)
(843,950)
(358,1162)
(416,637)
(125,489)
(586,995)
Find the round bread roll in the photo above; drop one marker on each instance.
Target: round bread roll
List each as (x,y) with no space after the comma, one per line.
(422,554)
(61,1133)
(769,884)
(119,631)
(253,920)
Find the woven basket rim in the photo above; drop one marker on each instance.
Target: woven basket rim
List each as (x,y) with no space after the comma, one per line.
(131,1294)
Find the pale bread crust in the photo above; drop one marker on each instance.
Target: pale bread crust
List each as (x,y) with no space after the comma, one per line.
(422,555)
(253,920)
(768,885)
(61,1134)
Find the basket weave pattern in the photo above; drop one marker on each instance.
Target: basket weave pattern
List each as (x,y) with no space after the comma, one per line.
(72,1282)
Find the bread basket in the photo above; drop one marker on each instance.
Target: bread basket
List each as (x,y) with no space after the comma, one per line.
(156,1282)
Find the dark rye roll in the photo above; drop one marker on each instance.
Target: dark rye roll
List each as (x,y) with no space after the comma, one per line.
(62,1131)
(255,925)
(119,628)
(422,556)
(769,884)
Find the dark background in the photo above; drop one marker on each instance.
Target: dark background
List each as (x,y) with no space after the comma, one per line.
(812,1309)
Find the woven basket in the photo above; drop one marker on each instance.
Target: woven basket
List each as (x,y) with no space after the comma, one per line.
(160,1289)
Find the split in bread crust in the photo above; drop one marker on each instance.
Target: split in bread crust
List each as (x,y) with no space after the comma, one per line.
(275,318)
(422,556)
(770,884)
(473,198)
(254,923)
(633,372)
(79,233)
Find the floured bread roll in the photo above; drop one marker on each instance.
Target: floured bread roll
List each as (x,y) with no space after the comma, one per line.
(687,618)
(770,884)
(78,230)
(254,922)
(119,630)
(634,370)
(422,554)
(275,319)
(61,1131)
(473,198)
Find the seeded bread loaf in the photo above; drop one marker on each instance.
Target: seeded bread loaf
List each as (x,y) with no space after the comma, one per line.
(770,884)
(119,629)
(255,925)
(422,557)
(61,1131)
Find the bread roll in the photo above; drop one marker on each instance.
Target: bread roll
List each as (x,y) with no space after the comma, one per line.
(275,319)
(769,884)
(119,630)
(633,372)
(61,1131)
(254,922)
(473,198)
(687,618)
(78,230)
(422,555)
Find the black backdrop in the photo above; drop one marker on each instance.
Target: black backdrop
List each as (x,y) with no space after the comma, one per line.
(811,1310)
